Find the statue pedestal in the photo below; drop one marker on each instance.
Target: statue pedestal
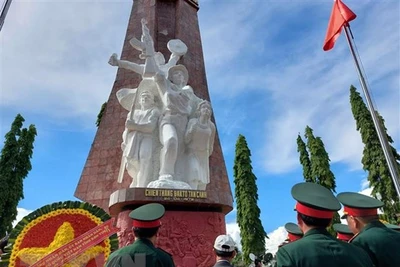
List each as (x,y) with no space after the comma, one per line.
(168,184)
(191,223)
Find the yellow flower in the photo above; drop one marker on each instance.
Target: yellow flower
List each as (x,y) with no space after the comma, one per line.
(64,234)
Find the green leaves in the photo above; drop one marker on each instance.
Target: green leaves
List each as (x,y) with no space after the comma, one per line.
(373,159)
(14,167)
(315,160)
(101,113)
(304,160)
(316,166)
(246,194)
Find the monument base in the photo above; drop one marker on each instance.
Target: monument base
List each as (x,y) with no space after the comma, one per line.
(199,200)
(187,235)
(189,227)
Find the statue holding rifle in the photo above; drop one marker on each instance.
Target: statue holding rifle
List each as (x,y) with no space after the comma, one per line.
(154,151)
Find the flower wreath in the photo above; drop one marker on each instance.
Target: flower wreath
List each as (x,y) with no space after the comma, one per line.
(52,226)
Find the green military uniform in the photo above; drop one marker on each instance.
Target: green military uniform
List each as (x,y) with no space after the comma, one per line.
(393,226)
(380,242)
(142,250)
(317,247)
(154,256)
(343,232)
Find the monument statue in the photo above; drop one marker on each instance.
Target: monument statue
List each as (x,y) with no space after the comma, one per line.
(146,46)
(199,139)
(166,143)
(137,145)
(174,119)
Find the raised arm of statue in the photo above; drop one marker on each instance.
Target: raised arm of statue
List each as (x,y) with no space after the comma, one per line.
(114,61)
(147,40)
(173,59)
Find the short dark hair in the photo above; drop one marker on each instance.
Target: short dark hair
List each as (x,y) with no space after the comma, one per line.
(145,232)
(224,254)
(316,222)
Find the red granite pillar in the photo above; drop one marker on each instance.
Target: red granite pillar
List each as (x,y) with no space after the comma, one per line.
(201,211)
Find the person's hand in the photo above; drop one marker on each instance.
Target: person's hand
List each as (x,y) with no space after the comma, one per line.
(113,60)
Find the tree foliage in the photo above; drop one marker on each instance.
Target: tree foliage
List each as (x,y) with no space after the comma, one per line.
(248,213)
(304,160)
(319,158)
(316,166)
(373,158)
(101,113)
(15,165)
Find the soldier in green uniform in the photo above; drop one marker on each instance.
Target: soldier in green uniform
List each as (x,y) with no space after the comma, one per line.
(294,233)
(143,253)
(380,242)
(343,232)
(315,209)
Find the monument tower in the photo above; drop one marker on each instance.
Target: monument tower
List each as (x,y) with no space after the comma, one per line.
(195,210)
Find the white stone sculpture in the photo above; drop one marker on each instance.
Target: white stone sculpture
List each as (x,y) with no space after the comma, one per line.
(137,145)
(199,139)
(146,45)
(160,148)
(174,119)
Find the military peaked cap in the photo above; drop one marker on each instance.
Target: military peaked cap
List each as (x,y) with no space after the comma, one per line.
(314,200)
(359,205)
(147,216)
(343,231)
(294,232)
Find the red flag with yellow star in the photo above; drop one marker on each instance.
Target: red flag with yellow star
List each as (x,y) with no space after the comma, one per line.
(340,16)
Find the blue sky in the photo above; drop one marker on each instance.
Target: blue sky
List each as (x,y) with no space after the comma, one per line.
(267,75)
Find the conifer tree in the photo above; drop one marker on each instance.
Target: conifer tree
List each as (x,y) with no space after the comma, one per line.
(373,158)
(248,213)
(15,165)
(316,166)
(304,160)
(319,158)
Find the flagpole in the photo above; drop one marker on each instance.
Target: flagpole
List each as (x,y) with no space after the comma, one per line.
(4,10)
(378,126)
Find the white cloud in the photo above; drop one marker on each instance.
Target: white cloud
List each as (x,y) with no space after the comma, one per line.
(56,64)
(364,184)
(276,237)
(306,86)
(366,192)
(233,230)
(21,214)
